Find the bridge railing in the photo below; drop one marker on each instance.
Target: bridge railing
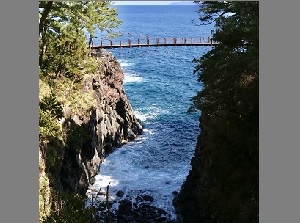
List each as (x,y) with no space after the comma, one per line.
(152,41)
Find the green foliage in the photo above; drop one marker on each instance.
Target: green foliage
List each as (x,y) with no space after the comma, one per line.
(63,56)
(48,126)
(62,42)
(230,100)
(232,66)
(44,191)
(44,89)
(70,209)
(51,104)
(77,135)
(64,63)
(70,95)
(49,112)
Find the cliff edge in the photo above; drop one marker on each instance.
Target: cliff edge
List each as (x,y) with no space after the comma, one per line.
(71,162)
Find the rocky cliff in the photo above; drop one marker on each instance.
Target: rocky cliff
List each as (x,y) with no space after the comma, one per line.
(109,125)
(90,135)
(190,202)
(222,185)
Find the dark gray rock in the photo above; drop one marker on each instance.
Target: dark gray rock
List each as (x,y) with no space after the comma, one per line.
(175,193)
(120,193)
(160,219)
(111,122)
(125,206)
(162,212)
(147,198)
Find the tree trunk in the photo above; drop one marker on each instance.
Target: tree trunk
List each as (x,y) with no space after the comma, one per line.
(45,13)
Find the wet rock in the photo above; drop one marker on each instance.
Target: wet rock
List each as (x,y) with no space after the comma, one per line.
(125,206)
(143,212)
(131,136)
(160,219)
(139,199)
(147,198)
(162,212)
(120,193)
(123,142)
(175,193)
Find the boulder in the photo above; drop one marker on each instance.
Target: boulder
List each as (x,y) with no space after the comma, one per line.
(147,198)
(125,206)
(120,193)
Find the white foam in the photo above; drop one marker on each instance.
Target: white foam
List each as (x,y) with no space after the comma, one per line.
(140,116)
(132,78)
(125,64)
(150,113)
(149,131)
(126,170)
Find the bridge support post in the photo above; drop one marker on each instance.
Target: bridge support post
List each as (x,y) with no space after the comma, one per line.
(120,44)
(184,41)
(111,44)
(139,42)
(165,41)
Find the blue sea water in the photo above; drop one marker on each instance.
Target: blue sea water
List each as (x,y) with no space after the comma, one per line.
(159,83)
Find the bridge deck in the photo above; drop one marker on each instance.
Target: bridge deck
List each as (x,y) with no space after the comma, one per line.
(151,45)
(158,42)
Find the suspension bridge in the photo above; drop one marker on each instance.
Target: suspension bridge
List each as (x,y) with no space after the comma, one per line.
(148,42)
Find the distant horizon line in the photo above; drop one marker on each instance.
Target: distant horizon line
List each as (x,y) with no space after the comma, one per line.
(127,3)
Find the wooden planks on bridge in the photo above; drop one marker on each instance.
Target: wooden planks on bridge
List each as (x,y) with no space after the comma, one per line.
(151,45)
(158,42)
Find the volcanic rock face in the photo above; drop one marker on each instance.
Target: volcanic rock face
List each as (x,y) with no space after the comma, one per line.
(108,125)
(189,203)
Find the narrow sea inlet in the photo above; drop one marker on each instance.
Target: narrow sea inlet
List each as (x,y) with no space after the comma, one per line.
(159,84)
(159,125)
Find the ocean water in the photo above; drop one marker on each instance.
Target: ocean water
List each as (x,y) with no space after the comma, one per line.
(159,83)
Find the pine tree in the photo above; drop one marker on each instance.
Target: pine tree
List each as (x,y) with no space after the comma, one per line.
(230,101)
(62,45)
(63,62)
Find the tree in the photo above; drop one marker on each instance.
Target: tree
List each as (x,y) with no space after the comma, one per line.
(62,45)
(227,68)
(63,62)
(230,101)
(63,51)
